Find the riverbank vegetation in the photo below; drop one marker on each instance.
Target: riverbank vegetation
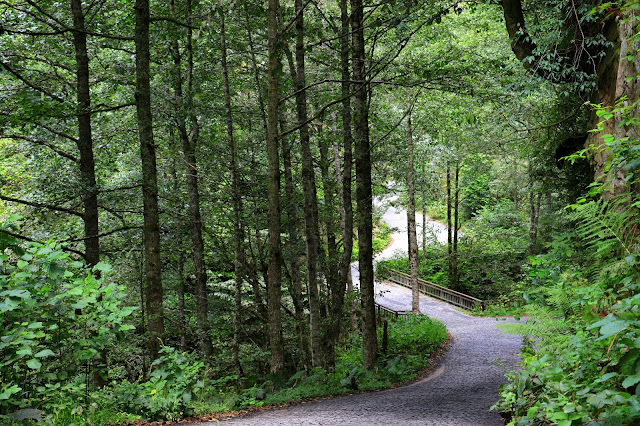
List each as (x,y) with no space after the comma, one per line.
(184,185)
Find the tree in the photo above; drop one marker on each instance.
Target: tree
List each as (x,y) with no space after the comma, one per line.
(274,283)
(151,229)
(411,219)
(364,196)
(599,60)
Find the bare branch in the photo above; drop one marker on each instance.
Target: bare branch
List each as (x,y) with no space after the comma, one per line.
(113,108)
(42,206)
(42,143)
(113,231)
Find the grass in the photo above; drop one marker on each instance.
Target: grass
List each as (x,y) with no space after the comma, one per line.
(502,308)
(381,239)
(412,342)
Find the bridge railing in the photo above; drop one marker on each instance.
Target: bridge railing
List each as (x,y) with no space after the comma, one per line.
(434,290)
(385,311)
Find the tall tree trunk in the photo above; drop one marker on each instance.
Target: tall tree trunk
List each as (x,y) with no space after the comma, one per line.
(424,213)
(411,221)
(295,244)
(456,226)
(256,72)
(336,286)
(310,197)
(236,195)
(346,203)
(363,186)
(274,282)
(87,162)
(189,142)
(85,140)
(262,311)
(449,230)
(181,278)
(346,228)
(151,226)
(535,199)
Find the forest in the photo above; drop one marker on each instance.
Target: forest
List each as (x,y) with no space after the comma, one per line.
(185,186)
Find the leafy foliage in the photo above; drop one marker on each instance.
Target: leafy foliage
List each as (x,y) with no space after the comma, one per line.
(176,378)
(56,319)
(582,360)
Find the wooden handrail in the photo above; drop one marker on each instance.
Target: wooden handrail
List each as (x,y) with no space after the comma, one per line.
(380,309)
(437,291)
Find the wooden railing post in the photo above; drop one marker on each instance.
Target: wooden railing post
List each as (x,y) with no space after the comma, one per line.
(451,296)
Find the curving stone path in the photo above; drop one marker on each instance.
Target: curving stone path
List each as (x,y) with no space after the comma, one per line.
(458,392)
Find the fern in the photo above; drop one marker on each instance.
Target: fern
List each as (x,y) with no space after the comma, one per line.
(604,226)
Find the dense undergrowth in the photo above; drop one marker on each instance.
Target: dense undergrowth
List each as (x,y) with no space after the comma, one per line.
(581,358)
(46,354)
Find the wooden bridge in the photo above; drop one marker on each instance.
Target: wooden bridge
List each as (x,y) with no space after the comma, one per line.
(436,291)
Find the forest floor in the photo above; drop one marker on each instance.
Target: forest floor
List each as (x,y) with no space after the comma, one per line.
(458,392)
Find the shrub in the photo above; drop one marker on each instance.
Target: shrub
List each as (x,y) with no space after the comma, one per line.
(56,318)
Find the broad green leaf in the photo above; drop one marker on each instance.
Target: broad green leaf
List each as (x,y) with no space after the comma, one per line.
(6,394)
(44,353)
(34,364)
(630,381)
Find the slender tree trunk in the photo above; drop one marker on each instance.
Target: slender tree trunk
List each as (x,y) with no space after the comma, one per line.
(181,284)
(274,282)
(189,142)
(85,140)
(336,286)
(535,199)
(236,195)
(346,211)
(295,244)
(151,226)
(449,230)
(256,72)
(262,311)
(424,214)
(456,226)
(363,186)
(87,162)
(310,197)
(411,221)
(344,273)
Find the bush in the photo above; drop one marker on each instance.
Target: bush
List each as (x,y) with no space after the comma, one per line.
(177,377)
(56,318)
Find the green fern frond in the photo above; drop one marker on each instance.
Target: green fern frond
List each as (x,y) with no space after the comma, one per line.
(604,226)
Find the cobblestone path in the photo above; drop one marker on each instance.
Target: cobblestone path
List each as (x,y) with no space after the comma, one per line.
(458,392)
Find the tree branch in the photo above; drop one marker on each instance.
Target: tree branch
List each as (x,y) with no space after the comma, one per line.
(42,206)
(31,240)
(113,231)
(42,143)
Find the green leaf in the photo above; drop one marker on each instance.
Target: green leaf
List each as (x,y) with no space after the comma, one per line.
(34,364)
(54,270)
(103,267)
(44,353)
(6,394)
(630,381)
(613,328)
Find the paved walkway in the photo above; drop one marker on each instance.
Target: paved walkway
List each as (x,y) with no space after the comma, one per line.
(459,391)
